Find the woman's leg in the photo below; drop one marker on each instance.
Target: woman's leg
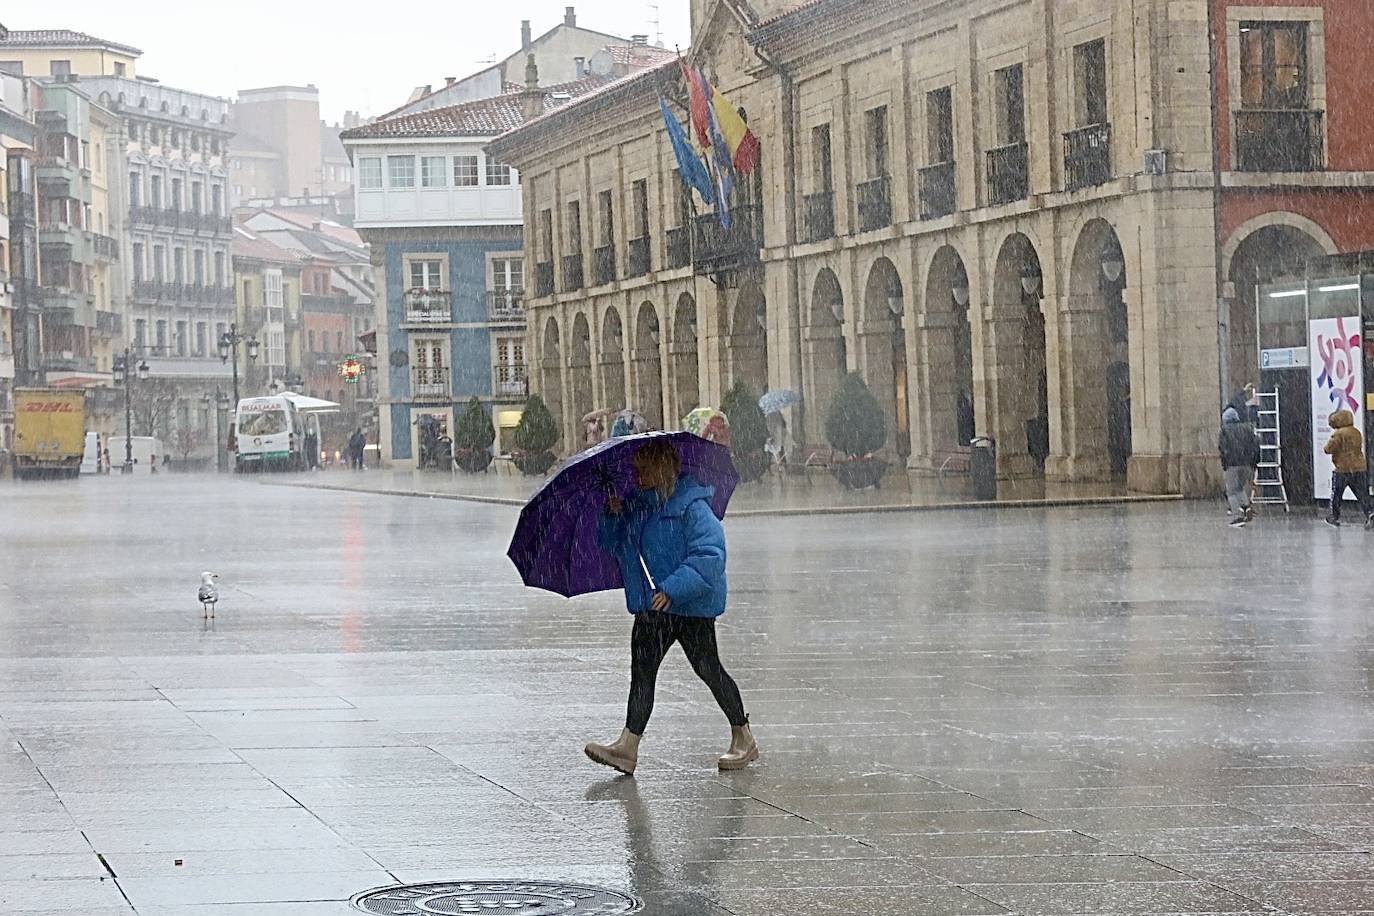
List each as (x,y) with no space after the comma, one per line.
(650,641)
(698,638)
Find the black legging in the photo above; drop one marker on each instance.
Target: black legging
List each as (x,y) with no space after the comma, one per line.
(654,634)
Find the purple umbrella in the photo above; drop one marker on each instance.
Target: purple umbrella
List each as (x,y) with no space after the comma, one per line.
(555,543)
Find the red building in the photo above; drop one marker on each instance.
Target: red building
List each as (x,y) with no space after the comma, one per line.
(1295,128)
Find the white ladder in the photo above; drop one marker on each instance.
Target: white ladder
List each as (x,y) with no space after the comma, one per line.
(1269,486)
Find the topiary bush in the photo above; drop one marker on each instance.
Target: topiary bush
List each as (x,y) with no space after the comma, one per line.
(535,436)
(855,424)
(473,436)
(748,431)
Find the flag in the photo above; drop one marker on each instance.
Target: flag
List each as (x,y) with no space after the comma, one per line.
(689,164)
(724,169)
(700,95)
(743,145)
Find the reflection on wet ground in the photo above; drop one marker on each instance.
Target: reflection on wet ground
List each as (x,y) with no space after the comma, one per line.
(1109,710)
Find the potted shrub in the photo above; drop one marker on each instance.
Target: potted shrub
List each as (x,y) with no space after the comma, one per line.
(535,437)
(748,432)
(472,438)
(856,429)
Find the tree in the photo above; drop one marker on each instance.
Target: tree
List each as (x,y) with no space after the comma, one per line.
(153,402)
(474,431)
(855,424)
(537,430)
(748,431)
(535,436)
(186,440)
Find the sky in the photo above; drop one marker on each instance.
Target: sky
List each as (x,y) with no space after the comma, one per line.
(360,56)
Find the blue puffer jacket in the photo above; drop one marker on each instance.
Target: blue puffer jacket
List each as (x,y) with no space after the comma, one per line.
(683,544)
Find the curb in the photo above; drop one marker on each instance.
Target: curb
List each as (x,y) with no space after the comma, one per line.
(1056,503)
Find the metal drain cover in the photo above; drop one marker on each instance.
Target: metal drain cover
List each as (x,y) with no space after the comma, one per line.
(511,898)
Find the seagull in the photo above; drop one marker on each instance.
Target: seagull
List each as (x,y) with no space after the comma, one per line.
(208,595)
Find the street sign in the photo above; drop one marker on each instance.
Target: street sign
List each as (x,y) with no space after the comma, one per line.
(1284,358)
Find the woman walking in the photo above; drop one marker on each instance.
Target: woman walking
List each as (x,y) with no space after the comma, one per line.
(671,551)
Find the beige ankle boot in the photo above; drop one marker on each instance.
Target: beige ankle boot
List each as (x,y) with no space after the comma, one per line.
(622,755)
(743,751)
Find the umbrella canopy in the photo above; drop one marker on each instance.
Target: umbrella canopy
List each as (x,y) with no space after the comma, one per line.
(555,545)
(629,423)
(778,400)
(710,424)
(601,413)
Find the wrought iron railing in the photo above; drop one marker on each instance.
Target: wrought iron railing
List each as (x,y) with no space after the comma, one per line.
(1280,141)
(573,278)
(429,306)
(716,249)
(543,279)
(1008,177)
(1088,157)
(875,204)
(679,245)
(938,194)
(638,260)
(431,382)
(603,265)
(506,305)
(819,216)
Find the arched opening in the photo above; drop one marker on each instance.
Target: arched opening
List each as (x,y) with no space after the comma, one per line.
(612,361)
(683,351)
(749,339)
(648,365)
(948,348)
(1267,254)
(580,375)
(827,352)
(884,346)
(551,369)
(1097,331)
(1017,366)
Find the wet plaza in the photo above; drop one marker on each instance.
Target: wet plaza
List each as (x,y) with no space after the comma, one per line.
(1081,710)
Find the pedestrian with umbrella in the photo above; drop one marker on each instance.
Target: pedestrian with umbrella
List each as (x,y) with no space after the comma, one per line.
(642,514)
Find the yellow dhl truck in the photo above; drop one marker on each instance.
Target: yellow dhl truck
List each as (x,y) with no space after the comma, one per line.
(49,432)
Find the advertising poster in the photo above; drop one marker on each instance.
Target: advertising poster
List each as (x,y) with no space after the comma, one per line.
(1337,372)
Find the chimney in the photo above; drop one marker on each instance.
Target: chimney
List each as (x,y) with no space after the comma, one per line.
(570,17)
(532,99)
(450,80)
(526,36)
(639,41)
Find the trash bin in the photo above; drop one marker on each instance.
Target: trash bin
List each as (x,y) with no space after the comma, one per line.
(983,468)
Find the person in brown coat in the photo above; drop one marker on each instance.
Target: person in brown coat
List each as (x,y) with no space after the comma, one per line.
(1346,448)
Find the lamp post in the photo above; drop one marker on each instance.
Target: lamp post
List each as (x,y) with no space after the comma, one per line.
(220,401)
(124,371)
(229,349)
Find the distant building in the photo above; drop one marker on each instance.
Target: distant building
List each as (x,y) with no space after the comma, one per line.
(267,293)
(283,149)
(18,237)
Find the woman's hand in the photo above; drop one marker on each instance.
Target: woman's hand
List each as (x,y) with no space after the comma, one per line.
(614,504)
(661,602)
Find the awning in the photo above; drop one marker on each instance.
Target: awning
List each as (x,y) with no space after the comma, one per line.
(307,404)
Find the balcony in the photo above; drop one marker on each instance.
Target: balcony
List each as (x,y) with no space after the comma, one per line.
(511,381)
(105,247)
(1008,175)
(1280,141)
(23,208)
(638,260)
(506,306)
(429,306)
(573,279)
(875,204)
(149,290)
(66,362)
(679,248)
(818,216)
(938,193)
(430,382)
(1088,157)
(63,240)
(64,306)
(110,324)
(603,265)
(543,280)
(145,216)
(55,170)
(717,250)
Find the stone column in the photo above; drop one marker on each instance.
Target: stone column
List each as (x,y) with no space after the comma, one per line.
(1078,395)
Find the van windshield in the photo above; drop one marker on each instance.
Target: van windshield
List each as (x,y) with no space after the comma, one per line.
(262,423)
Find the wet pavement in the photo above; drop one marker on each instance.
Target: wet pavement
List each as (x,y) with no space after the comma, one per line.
(1111,710)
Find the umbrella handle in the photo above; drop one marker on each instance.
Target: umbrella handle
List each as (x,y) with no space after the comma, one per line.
(648,575)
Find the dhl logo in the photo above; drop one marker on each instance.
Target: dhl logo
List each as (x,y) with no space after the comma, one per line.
(48,407)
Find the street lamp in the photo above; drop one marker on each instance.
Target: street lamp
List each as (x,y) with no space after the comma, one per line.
(123,376)
(229,349)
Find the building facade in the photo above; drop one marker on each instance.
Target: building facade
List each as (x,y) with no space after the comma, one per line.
(18,236)
(1000,214)
(267,288)
(282,148)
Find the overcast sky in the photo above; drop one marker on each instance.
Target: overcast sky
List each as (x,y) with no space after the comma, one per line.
(363,56)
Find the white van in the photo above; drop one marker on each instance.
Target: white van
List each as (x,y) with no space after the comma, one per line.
(145,447)
(90,458)
(269,432)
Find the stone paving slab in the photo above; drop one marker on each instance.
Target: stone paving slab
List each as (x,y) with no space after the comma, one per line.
(1048,711)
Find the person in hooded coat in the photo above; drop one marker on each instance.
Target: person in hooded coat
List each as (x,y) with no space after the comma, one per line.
(671,551)
(1240,455)
(1346,448)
